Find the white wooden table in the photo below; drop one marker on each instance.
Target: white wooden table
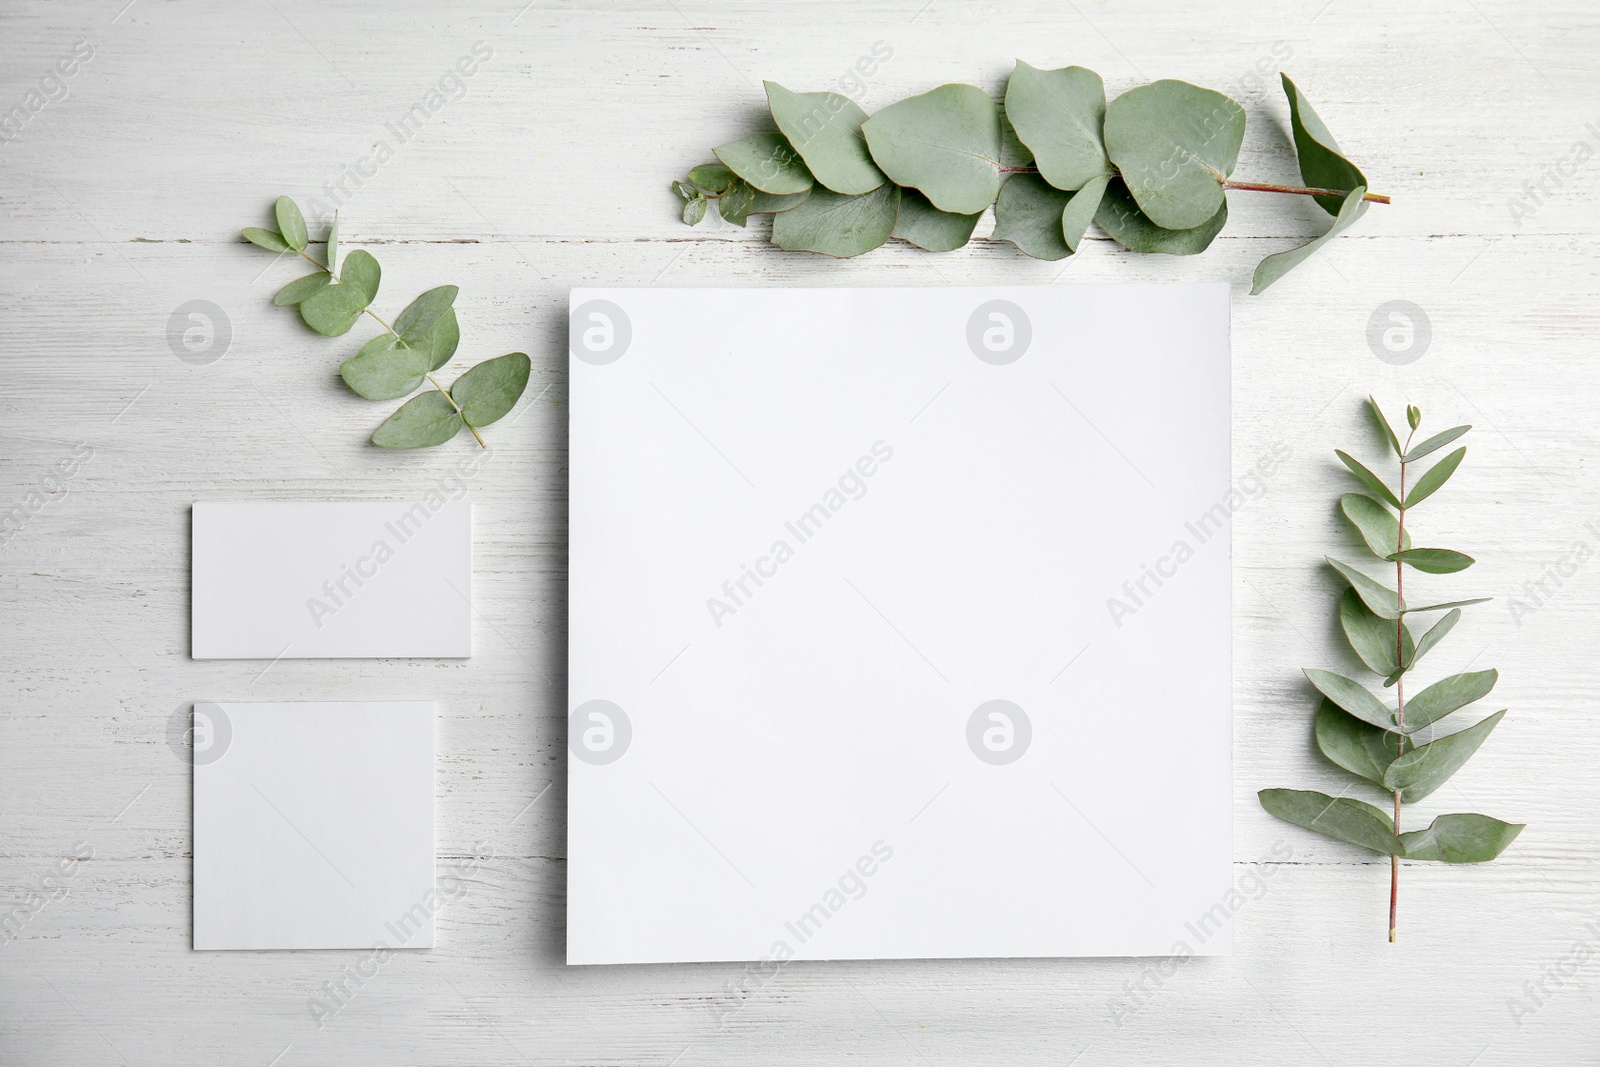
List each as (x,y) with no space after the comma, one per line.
(123,200)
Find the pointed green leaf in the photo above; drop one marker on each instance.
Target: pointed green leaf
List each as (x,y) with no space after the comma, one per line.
(1434,635)
(945,142)
(361,270)
(712,177)
(1174,144)
(1447,695)
(425,420)
(1371,637)
(383,370)
(1357,746)
(1426,767)
(1340,818)
(839,226)
(772,203)
(1121,218)
(685,192)
(1377,524)
(1352,696)
(694,211)
(927,227)
(1383,424)
(736,202)
(301,288)
(1322,165)
(1278,264)
(1368,479)
(1464,838)
(825,128)
(422,313)
(1413,415)
(1435,477)
(438,343)
(1380,598)
(1028,214)
(291,223)
(1434,443)
(1058,114)
(767,161)
(491,389)
(1081,209)
(271,240)
(333,245)
(1450,604)
(1433,560)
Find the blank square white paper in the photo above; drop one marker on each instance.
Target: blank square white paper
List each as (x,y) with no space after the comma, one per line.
(899,623)
(313,825)
(314,580)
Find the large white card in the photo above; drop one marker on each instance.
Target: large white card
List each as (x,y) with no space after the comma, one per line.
(899,623)
(313,825)
(312,580)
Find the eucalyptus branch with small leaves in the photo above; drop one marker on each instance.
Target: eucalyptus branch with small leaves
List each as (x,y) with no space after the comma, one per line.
(402,359)
(1399,749)
(1151,168)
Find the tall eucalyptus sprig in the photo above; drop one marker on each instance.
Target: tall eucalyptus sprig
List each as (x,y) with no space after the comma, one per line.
(1401,749)
(400,360)
(1151,168)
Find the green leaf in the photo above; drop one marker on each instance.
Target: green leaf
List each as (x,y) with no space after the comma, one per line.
(713,177)
(1058,114)
(1434,443)
(1367,478)
(1447,695)
(684,191)
(425,311)
(1450,604)
(1352,696)
(767,161)
(1383,424)
(1340,818)
(489,390)
(1121,218)
(1435,477)
(1174,144)
(1081,209)
(1377,524)
(291,223)
(1322,165)
(840,226)
(694,210)
(425,420)
(825,128)
(333,309)
(1413,415)
(1372,637)
(271,240)
(1463,838)
(362,271)
(382,370)
(1357,746)
(1426,767)
(927,227)
(1382,600)
(772,203)
(438,343)
(736,202)
(333,245)
(1434,635)
(1433,560)
(301,288)
(1278,264)
(1028,214)
(945,142)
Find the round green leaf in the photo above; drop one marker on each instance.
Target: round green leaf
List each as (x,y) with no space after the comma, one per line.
(362,271)
(1322,165)
(382,370)
(1378,526)
(422,313)
(1120,217)
(301,288)
(1028,214)
(945,142)
(1373,638)
(333,309)
(1058,114)
(271,240)
(694,211)
(927,227)
(1081,209)
(1174,144)
(772,203)
(767,161)
(840,226)
(825,128)
(489,390)
(425,420)
(736,202)
(438,342)
(291,223)
(1278,264)
(713,177)
(1358,747)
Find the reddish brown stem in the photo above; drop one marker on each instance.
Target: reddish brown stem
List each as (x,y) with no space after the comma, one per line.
(1400,682)
(1300,190)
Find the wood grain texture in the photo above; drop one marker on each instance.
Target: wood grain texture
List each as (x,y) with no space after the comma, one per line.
(123,200)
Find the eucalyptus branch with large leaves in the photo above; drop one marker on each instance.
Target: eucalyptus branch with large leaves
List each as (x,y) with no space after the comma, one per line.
(1151,168)
(402,359)
(1401,750)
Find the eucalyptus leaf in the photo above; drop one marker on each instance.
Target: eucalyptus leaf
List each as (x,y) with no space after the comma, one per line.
(1028,214)
(1434,443)
(1081,209)
(839,226)
(425,420)
(1357,746)
(271,240)
(1121,218)
(1322,165)
(333,309)
(684,191)
(1174,143)
(1352,696)
(1426,767)
(333,246)
(1058,114)
(361,270)
(1434,635)
(491,389)
(1278,264)
(1382,600)
(713,177)
(736,202)
(694,210)
(1461,838)
(1383,424)
(422,313)
(291,224)
(1447,695)
(1378,526)
(945,142)
(1340,818)
(1450,604)
(767,161)
(1373,638)
(301,288)
(438,342)
(825,128)
(927,227)
(772,203)
(1433,560)
(383,370)
(1434,477)
(1367,478)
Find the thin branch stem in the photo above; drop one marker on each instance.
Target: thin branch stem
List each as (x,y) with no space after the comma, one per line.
(1400,682)
(1300,190)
